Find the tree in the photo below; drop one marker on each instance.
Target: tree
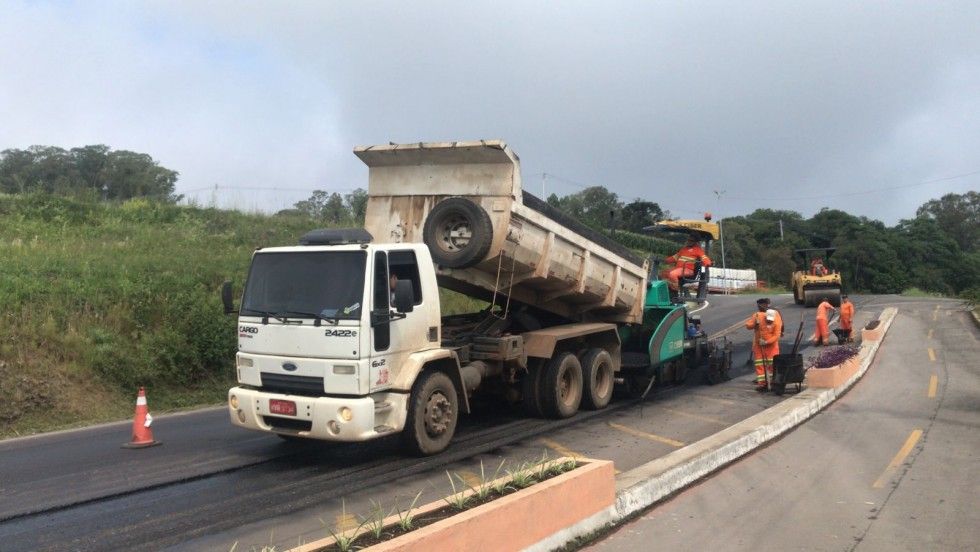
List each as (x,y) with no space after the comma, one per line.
(330,208)
(639,214)
(89,170)
(935,261)
(356,203)
(313,206)
(592,206)
(958,216)
(334,210)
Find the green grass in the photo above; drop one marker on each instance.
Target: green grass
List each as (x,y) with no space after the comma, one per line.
(99,299)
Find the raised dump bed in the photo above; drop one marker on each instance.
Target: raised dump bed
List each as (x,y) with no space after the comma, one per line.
(487,235)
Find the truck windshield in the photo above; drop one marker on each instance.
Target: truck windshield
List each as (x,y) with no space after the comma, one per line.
(329,284)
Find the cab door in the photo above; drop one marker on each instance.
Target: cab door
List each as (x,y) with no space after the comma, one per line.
(394,335)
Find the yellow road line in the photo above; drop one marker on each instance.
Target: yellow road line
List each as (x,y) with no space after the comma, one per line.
(935,314)
(565,451)
(898,459)
(930,335)
(728,330)
(560,449)
(345,522)
(932,354)
(695,416)
(933,385)
(470,478)
(646,435)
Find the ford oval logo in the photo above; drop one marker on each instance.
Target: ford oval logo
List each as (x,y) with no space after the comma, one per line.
(289,366)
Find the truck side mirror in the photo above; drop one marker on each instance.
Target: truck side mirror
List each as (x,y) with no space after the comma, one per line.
(404,296)
(226,298)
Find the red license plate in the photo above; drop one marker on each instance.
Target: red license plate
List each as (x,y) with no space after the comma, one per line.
(279,406)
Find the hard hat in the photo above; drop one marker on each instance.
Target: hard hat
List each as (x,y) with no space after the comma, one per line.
(771,315)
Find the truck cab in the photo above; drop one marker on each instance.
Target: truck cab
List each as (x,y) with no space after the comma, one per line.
(326,345)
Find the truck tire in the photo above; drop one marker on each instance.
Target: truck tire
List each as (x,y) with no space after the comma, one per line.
(561,386)
(433,411)
(598,379)
(531,390)
(458,232)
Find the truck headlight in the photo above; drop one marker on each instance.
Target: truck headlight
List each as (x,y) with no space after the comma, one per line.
(346,414)
(344,369)
(244,362)
(233,401)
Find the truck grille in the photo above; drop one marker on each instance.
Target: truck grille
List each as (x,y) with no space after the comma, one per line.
(286,423)
(296,385)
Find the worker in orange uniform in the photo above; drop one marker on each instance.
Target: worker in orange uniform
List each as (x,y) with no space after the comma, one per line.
(823,334)
(817,268)
(767,326)
(846,316)
(683,262)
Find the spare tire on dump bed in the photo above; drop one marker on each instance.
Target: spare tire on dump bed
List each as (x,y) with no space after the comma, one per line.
(458,232)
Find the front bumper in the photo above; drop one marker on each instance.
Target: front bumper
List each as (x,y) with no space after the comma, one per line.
(320,417)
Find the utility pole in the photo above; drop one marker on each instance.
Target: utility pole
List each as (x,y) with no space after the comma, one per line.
(543,176)
(780,229)
(721,235)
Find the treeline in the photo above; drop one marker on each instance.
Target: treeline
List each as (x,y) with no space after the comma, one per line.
(91,171)
(599,208)
(332,209)
(936,251)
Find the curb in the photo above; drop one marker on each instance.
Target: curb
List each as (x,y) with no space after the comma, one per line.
(654,481)
(976,317)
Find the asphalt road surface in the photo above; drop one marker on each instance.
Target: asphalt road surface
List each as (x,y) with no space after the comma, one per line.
(892,465)
(211,485)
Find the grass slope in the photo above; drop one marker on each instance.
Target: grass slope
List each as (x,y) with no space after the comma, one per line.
(98,299)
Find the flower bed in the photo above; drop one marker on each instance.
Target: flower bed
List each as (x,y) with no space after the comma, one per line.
(833,366)
(508,513)
(872,332)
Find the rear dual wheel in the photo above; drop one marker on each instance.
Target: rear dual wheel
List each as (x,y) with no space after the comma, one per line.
(557,387)
(598,379)
(561,386)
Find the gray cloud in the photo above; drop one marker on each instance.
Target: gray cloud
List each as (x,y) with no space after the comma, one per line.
(663,101)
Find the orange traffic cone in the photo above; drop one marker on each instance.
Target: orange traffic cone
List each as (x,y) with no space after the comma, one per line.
(142,435)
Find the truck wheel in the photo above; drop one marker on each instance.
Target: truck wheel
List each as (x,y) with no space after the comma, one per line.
(531,390)
(561,386)
(458,233)
(433,411)
(597,374)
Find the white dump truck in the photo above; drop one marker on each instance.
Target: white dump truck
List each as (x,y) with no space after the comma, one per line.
(342,337)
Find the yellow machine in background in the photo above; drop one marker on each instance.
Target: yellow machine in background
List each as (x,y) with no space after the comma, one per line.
(816,281)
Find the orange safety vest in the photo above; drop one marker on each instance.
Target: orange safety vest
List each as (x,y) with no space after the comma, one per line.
(822,309)
(687,256)
(768,332)
(846,314)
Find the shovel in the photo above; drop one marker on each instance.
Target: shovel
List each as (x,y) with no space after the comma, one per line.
(799,337)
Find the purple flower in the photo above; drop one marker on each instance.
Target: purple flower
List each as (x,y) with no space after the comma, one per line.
(832,356)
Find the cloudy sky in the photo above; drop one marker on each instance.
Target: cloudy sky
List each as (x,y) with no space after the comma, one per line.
(870,107)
